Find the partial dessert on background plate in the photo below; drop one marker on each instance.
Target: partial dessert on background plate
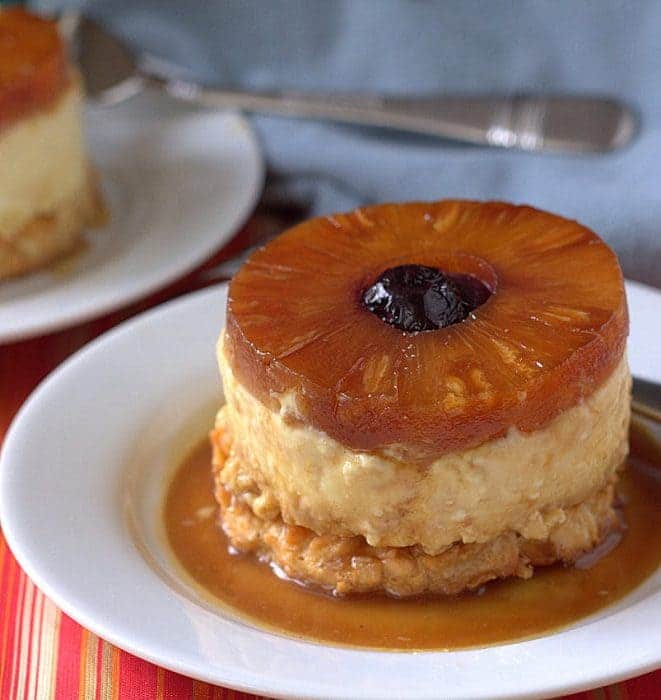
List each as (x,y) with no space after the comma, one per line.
(423,397)
(48,190)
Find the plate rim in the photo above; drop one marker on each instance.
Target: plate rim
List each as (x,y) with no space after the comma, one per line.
(295,686)
(110,304)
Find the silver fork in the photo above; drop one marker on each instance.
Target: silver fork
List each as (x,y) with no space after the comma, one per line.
(544,123)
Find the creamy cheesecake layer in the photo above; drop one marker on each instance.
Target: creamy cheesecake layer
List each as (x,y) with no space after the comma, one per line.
(349,565)
(522,482)
(44,166)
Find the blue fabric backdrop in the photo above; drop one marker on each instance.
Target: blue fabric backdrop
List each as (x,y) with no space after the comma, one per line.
(420,46)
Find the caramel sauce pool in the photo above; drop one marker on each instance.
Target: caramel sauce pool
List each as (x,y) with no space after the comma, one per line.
(503,611)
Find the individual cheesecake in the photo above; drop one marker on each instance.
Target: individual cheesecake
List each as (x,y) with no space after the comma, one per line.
(48,192)
(423,397)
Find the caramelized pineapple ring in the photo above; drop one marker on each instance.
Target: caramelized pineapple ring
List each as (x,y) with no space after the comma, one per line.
(552,331)
(33,64)
(522,482)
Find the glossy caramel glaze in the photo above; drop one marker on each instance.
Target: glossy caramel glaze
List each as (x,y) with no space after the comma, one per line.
(501,612)
(33,64)
(552,331)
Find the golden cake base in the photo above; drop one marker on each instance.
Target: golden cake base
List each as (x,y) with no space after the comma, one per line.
(48,237)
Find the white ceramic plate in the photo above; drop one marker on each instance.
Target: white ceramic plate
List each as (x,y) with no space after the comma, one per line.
(82,472)
(179,182)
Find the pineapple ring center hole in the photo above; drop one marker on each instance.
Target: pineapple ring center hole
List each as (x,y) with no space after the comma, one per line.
(415,298)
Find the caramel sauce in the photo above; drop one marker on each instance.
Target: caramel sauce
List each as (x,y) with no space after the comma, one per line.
(500,612)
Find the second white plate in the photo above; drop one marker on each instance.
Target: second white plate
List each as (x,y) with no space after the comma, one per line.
(179,183)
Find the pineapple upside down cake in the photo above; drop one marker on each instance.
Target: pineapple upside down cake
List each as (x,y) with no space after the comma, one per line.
(423,397)
(48,192)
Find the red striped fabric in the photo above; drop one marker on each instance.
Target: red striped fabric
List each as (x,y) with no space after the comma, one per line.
(44,653)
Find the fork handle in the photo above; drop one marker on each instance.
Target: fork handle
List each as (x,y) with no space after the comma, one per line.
(529,122)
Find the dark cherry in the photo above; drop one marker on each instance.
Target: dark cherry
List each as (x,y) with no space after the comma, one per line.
(420,298)
(473,292)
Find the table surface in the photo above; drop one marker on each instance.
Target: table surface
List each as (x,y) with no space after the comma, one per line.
(43,652)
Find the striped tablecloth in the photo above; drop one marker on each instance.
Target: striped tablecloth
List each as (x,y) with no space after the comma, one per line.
(43,652)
